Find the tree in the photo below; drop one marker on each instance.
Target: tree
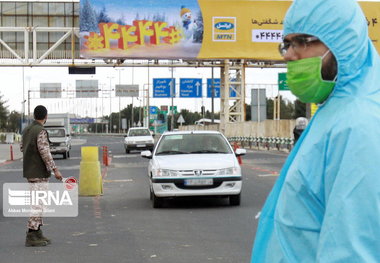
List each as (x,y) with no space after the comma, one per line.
(103,17)
(14,121)
(299,109)
(286,109)
(121,21)
(88,22)
(248,112)
(3,113)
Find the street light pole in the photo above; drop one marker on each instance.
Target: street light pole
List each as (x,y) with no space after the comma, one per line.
(110,128)
(120,100)
(133,69)
(172,93)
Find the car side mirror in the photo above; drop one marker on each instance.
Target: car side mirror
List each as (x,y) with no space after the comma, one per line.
(67,135)
(146,154)
(240,152)
(125,135)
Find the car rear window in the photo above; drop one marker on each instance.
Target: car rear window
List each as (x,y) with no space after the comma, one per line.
(140,132)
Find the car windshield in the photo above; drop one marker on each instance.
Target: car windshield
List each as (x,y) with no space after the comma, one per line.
(56,132)
(139,132)
(192,144)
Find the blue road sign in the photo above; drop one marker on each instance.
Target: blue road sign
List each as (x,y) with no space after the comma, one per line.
(154,110)
(161,88)
(190,88)
(216,88)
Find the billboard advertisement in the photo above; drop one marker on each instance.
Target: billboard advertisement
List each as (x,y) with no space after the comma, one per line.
(191,29)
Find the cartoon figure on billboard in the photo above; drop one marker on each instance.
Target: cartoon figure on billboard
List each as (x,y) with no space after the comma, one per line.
(136,29)
(186,21)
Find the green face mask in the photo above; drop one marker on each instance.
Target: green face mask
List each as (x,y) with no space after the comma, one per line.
(305,80)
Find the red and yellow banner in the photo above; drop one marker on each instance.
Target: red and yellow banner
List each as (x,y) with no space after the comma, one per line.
(203,29)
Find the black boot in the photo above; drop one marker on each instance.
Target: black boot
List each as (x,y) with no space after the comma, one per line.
(32,240)
(42,237)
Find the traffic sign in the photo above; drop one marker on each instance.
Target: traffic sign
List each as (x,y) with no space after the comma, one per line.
(181,120)
(126,90)
(190,88)
(153,110)
(216,88)
(282,82)
(161,88)
(175,109)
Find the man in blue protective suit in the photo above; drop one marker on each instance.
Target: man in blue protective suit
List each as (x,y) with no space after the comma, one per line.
(325,205)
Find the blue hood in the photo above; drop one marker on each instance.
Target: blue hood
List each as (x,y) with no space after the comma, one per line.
(342,26)
(325,205)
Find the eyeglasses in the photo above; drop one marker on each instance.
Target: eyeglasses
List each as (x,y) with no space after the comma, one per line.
(296,42)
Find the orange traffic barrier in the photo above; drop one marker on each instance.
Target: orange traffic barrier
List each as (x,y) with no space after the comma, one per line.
(11,149)
(105,155)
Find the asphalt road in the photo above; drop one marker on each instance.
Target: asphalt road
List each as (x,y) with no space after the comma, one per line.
(122,226)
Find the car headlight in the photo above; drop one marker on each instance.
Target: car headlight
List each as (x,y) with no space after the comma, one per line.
(228,171)
(165,173)
(62,144)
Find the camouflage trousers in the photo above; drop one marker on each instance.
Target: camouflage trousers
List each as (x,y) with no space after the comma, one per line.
(35,220)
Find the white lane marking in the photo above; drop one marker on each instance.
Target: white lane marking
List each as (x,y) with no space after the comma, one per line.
(118,181)
(258,215)
(124,156)
(267,175)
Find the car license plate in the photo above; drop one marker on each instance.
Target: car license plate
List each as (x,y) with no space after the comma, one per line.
(140,145)
(199,182)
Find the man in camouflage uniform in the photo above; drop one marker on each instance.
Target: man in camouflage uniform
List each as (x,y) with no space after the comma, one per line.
(37,167)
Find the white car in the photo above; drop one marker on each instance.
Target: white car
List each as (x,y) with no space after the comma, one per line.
(60,141)
(194,163)
(138,139)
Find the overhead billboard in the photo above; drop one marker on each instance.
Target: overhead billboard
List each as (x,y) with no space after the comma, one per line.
(126,90)
(50,90)
(203,29)
(86,88)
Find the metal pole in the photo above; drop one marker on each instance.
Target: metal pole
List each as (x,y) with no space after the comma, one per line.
(102,107)
(28,106)
(172,93)
(23,99)
(147,99)
(110,128)
(133,69)
(120,102)
(212,95)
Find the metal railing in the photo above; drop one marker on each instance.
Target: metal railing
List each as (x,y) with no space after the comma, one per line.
(264,143)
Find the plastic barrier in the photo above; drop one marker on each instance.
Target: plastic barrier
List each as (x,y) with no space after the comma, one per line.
(11,151)
(90,179)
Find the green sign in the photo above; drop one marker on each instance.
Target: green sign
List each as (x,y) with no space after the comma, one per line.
(282,82)
(175,109)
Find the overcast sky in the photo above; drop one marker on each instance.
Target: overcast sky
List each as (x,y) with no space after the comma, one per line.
(12,87)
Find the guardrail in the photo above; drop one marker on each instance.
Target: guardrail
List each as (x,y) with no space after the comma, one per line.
(264,143)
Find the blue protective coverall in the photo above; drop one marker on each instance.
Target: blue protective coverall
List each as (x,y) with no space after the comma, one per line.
(325,205)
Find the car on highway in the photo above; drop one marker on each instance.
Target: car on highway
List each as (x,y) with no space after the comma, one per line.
(138,139)
(194,163)
(59,140)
